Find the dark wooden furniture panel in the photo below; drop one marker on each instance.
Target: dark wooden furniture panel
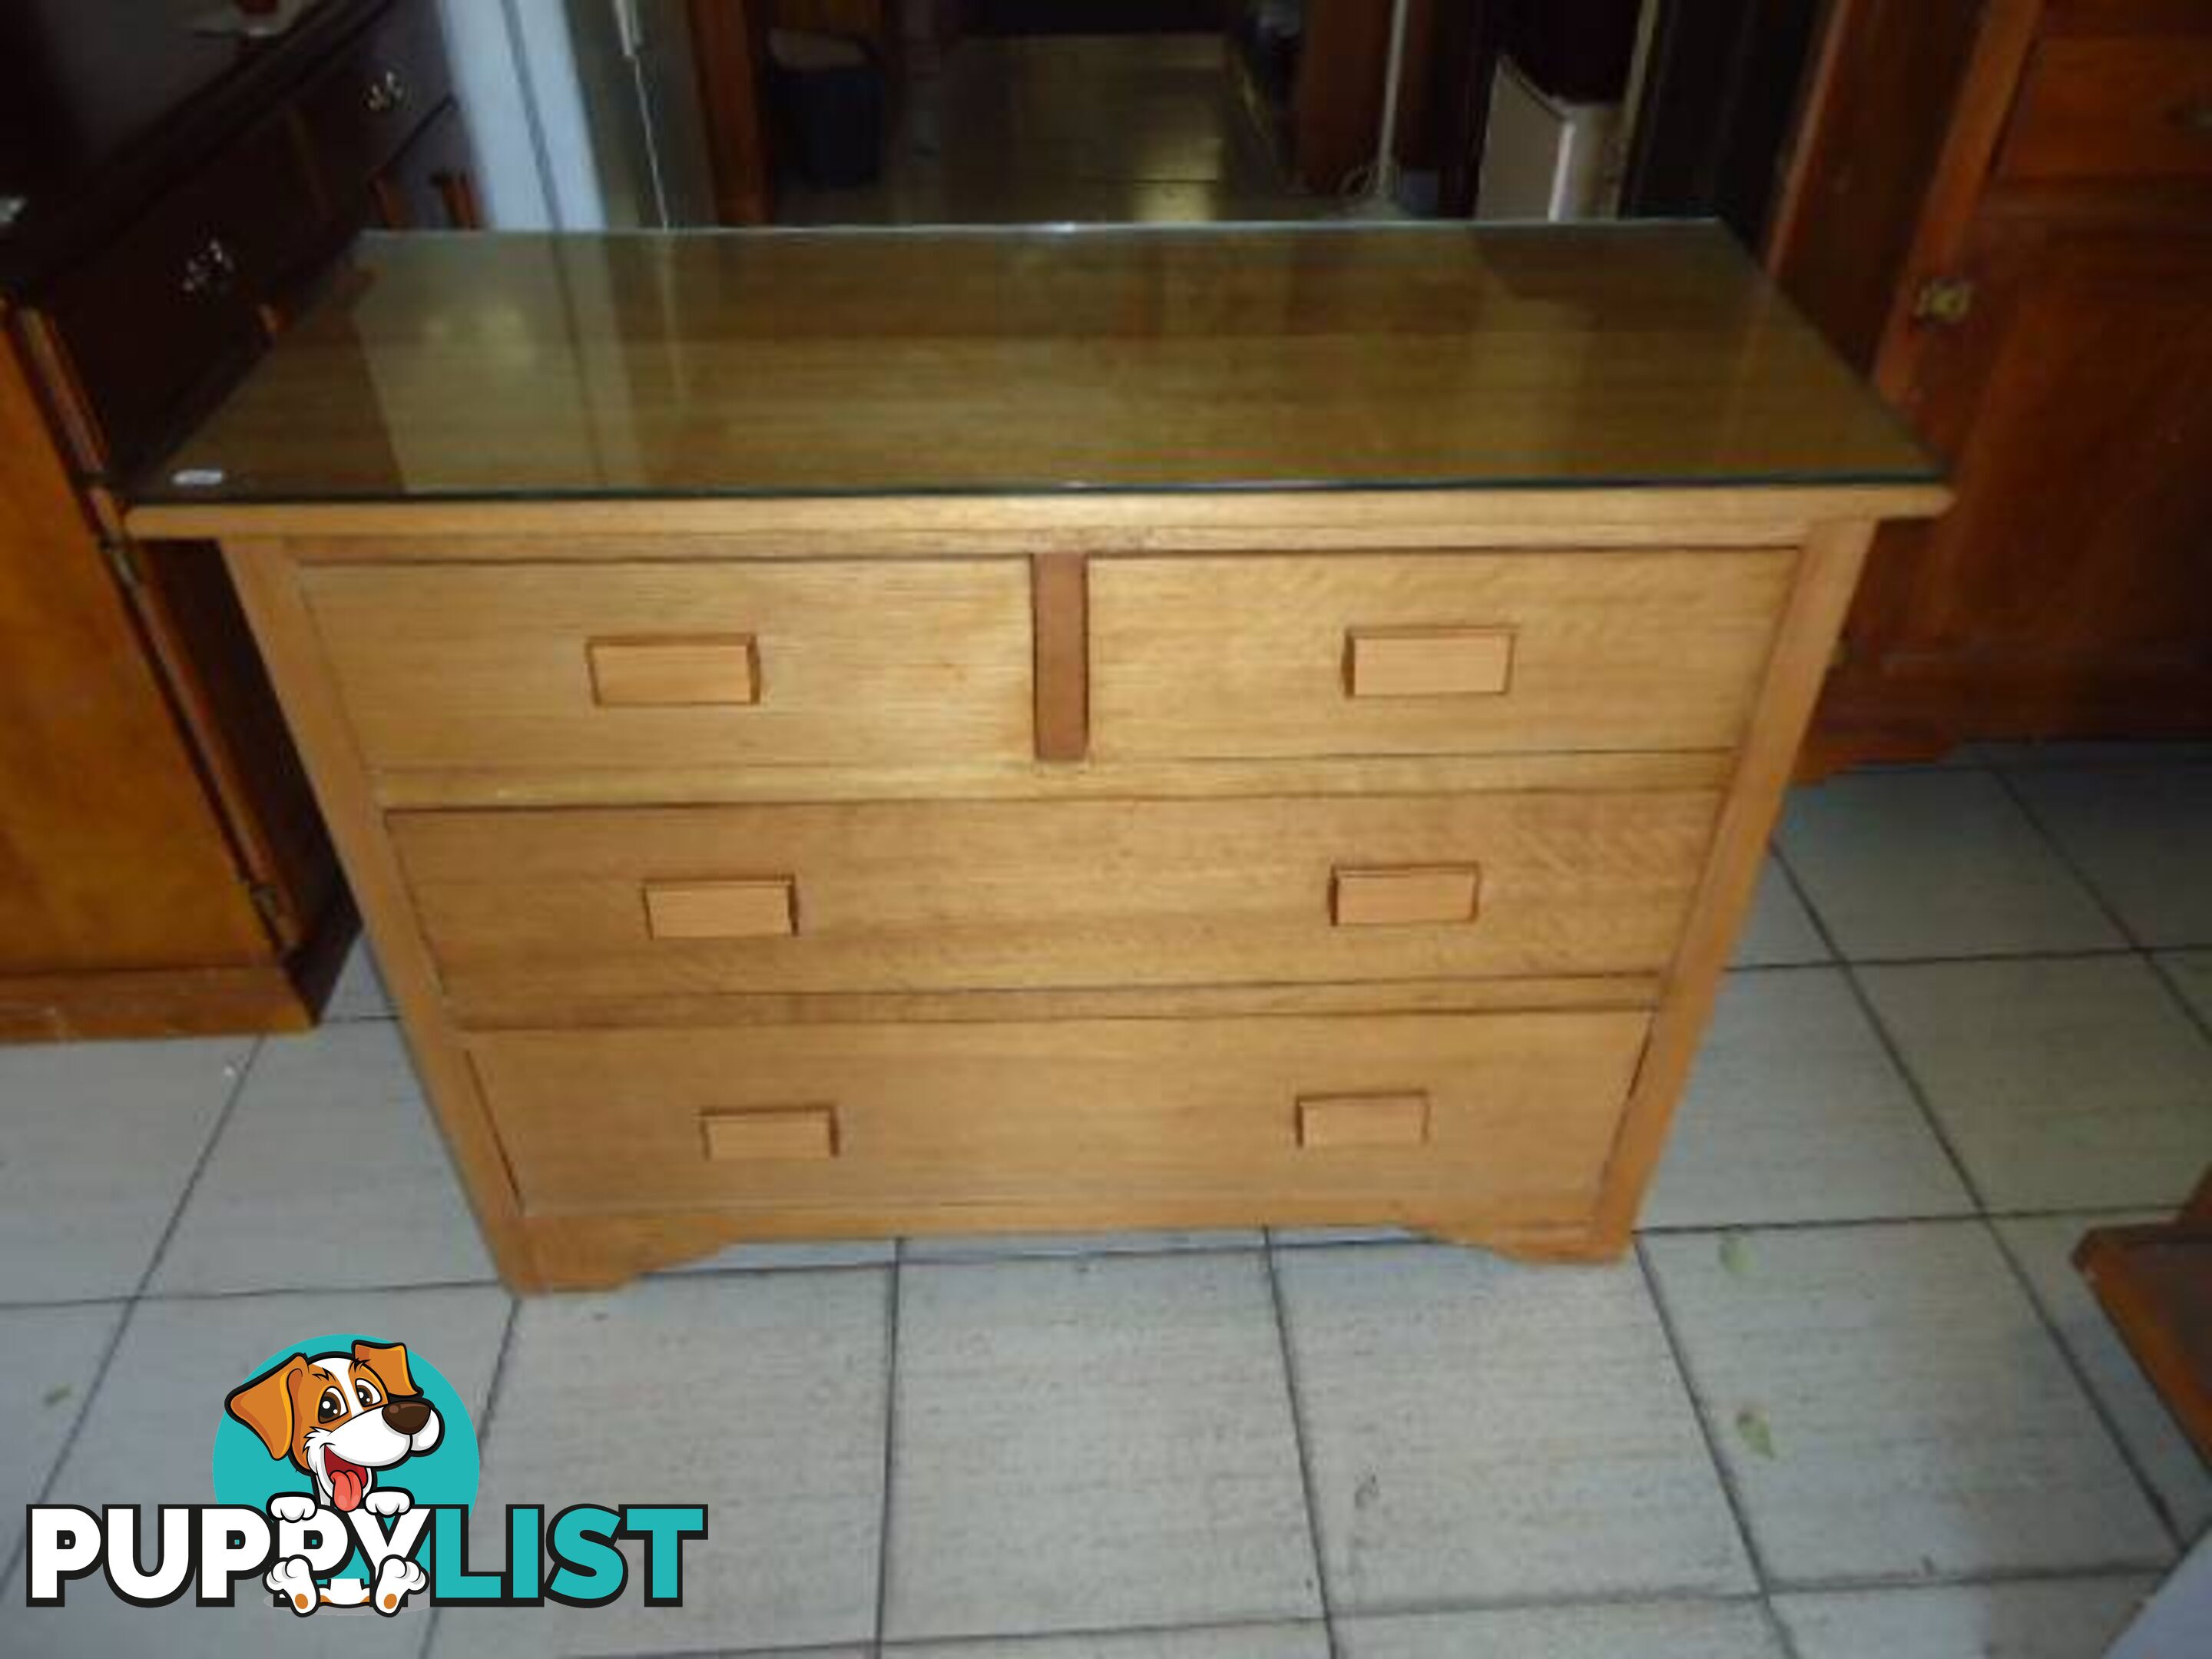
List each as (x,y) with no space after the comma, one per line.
(362,109)
(163,867)
(430,184)
(2116,107)
(170,307)
(106,865)
(2001,211)
(2155,1284)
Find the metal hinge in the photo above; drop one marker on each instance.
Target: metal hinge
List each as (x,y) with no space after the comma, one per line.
(124,564)
(1943,300)
(274,911)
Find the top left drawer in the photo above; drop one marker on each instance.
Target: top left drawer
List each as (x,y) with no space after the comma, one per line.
(552,670)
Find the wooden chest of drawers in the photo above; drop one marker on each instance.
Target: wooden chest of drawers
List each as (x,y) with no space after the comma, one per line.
(793,834)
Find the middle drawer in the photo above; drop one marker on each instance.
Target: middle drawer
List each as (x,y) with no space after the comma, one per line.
(532,915)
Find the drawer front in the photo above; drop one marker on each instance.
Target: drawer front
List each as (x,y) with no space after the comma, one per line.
(2113,107)
(615,667)
(169,307)
(1429,653)
(431,185)
(1509,1114)
(361,110)
(532,916)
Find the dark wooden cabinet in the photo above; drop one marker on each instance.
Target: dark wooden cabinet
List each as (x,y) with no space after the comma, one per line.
(171,309)
(2016,238)
(430,184)
(162,866)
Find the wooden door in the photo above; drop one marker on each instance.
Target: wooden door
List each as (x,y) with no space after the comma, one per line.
(2068,589)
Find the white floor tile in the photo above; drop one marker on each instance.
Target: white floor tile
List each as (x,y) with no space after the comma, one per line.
(758,1395)
(1624,1629)
(2043,1247)
(1779,931)
(1934,863)
(97,1141)
(359,993)
(1090,1443)
(2055,1619)
(47,1360)
(2062,1084)
(984,1247)
(1221,1642)
(149,1430)
(1890,1405)
(2142,835)
(1482,1431)
(1795,1112)
(329,1172)
(2191,972)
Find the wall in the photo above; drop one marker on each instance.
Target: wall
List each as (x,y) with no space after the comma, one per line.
(514,70)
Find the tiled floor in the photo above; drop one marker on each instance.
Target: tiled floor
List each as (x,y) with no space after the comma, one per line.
(1067,129)
(1848,1398)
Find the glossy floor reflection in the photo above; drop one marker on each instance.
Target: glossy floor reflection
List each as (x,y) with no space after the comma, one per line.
(1086,128)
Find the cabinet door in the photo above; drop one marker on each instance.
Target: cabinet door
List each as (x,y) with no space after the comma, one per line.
(2074,401)
(111,855)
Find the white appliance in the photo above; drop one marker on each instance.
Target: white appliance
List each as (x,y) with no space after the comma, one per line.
(1544,158)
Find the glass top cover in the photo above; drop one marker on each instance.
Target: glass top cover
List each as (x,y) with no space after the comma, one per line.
(873,362)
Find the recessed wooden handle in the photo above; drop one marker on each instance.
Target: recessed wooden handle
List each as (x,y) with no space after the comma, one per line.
(675,671)
(722,909)
(1428,662)
(786,1134)
(1332,1121)
(1403,896)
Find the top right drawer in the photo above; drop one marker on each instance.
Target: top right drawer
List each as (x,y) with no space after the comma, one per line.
(1266,655)
(2113,107)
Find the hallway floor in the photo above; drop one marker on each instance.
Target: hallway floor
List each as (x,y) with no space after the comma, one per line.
(1845,1399)
(1067,129)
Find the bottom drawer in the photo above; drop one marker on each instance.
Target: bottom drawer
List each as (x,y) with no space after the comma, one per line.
(1507,1115)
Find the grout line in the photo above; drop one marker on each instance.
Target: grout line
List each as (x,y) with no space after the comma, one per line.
(2077,953)
(890,1433)
(1785,1642)
(2202,1020)
(199,1168)
(1889,1044)
(1985,1215)
(2066,859)
(320,1290)
(483,1435)
(1614,1598)
(1995,1576)
(1647,1597)
(1640,1597)
(1294,1398)
(2103,1412)
(741,1269)
(1738,1512)
(498,1370)
(132,1300)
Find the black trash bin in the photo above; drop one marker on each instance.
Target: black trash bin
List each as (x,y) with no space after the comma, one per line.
(830,93)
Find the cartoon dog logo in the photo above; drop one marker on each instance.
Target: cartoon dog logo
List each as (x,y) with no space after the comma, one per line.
(344,1418)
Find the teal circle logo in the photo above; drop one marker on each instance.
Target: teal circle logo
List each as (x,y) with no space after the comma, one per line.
(352,1421)
(247,1470)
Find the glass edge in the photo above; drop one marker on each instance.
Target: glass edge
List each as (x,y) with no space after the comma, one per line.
(171,496)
